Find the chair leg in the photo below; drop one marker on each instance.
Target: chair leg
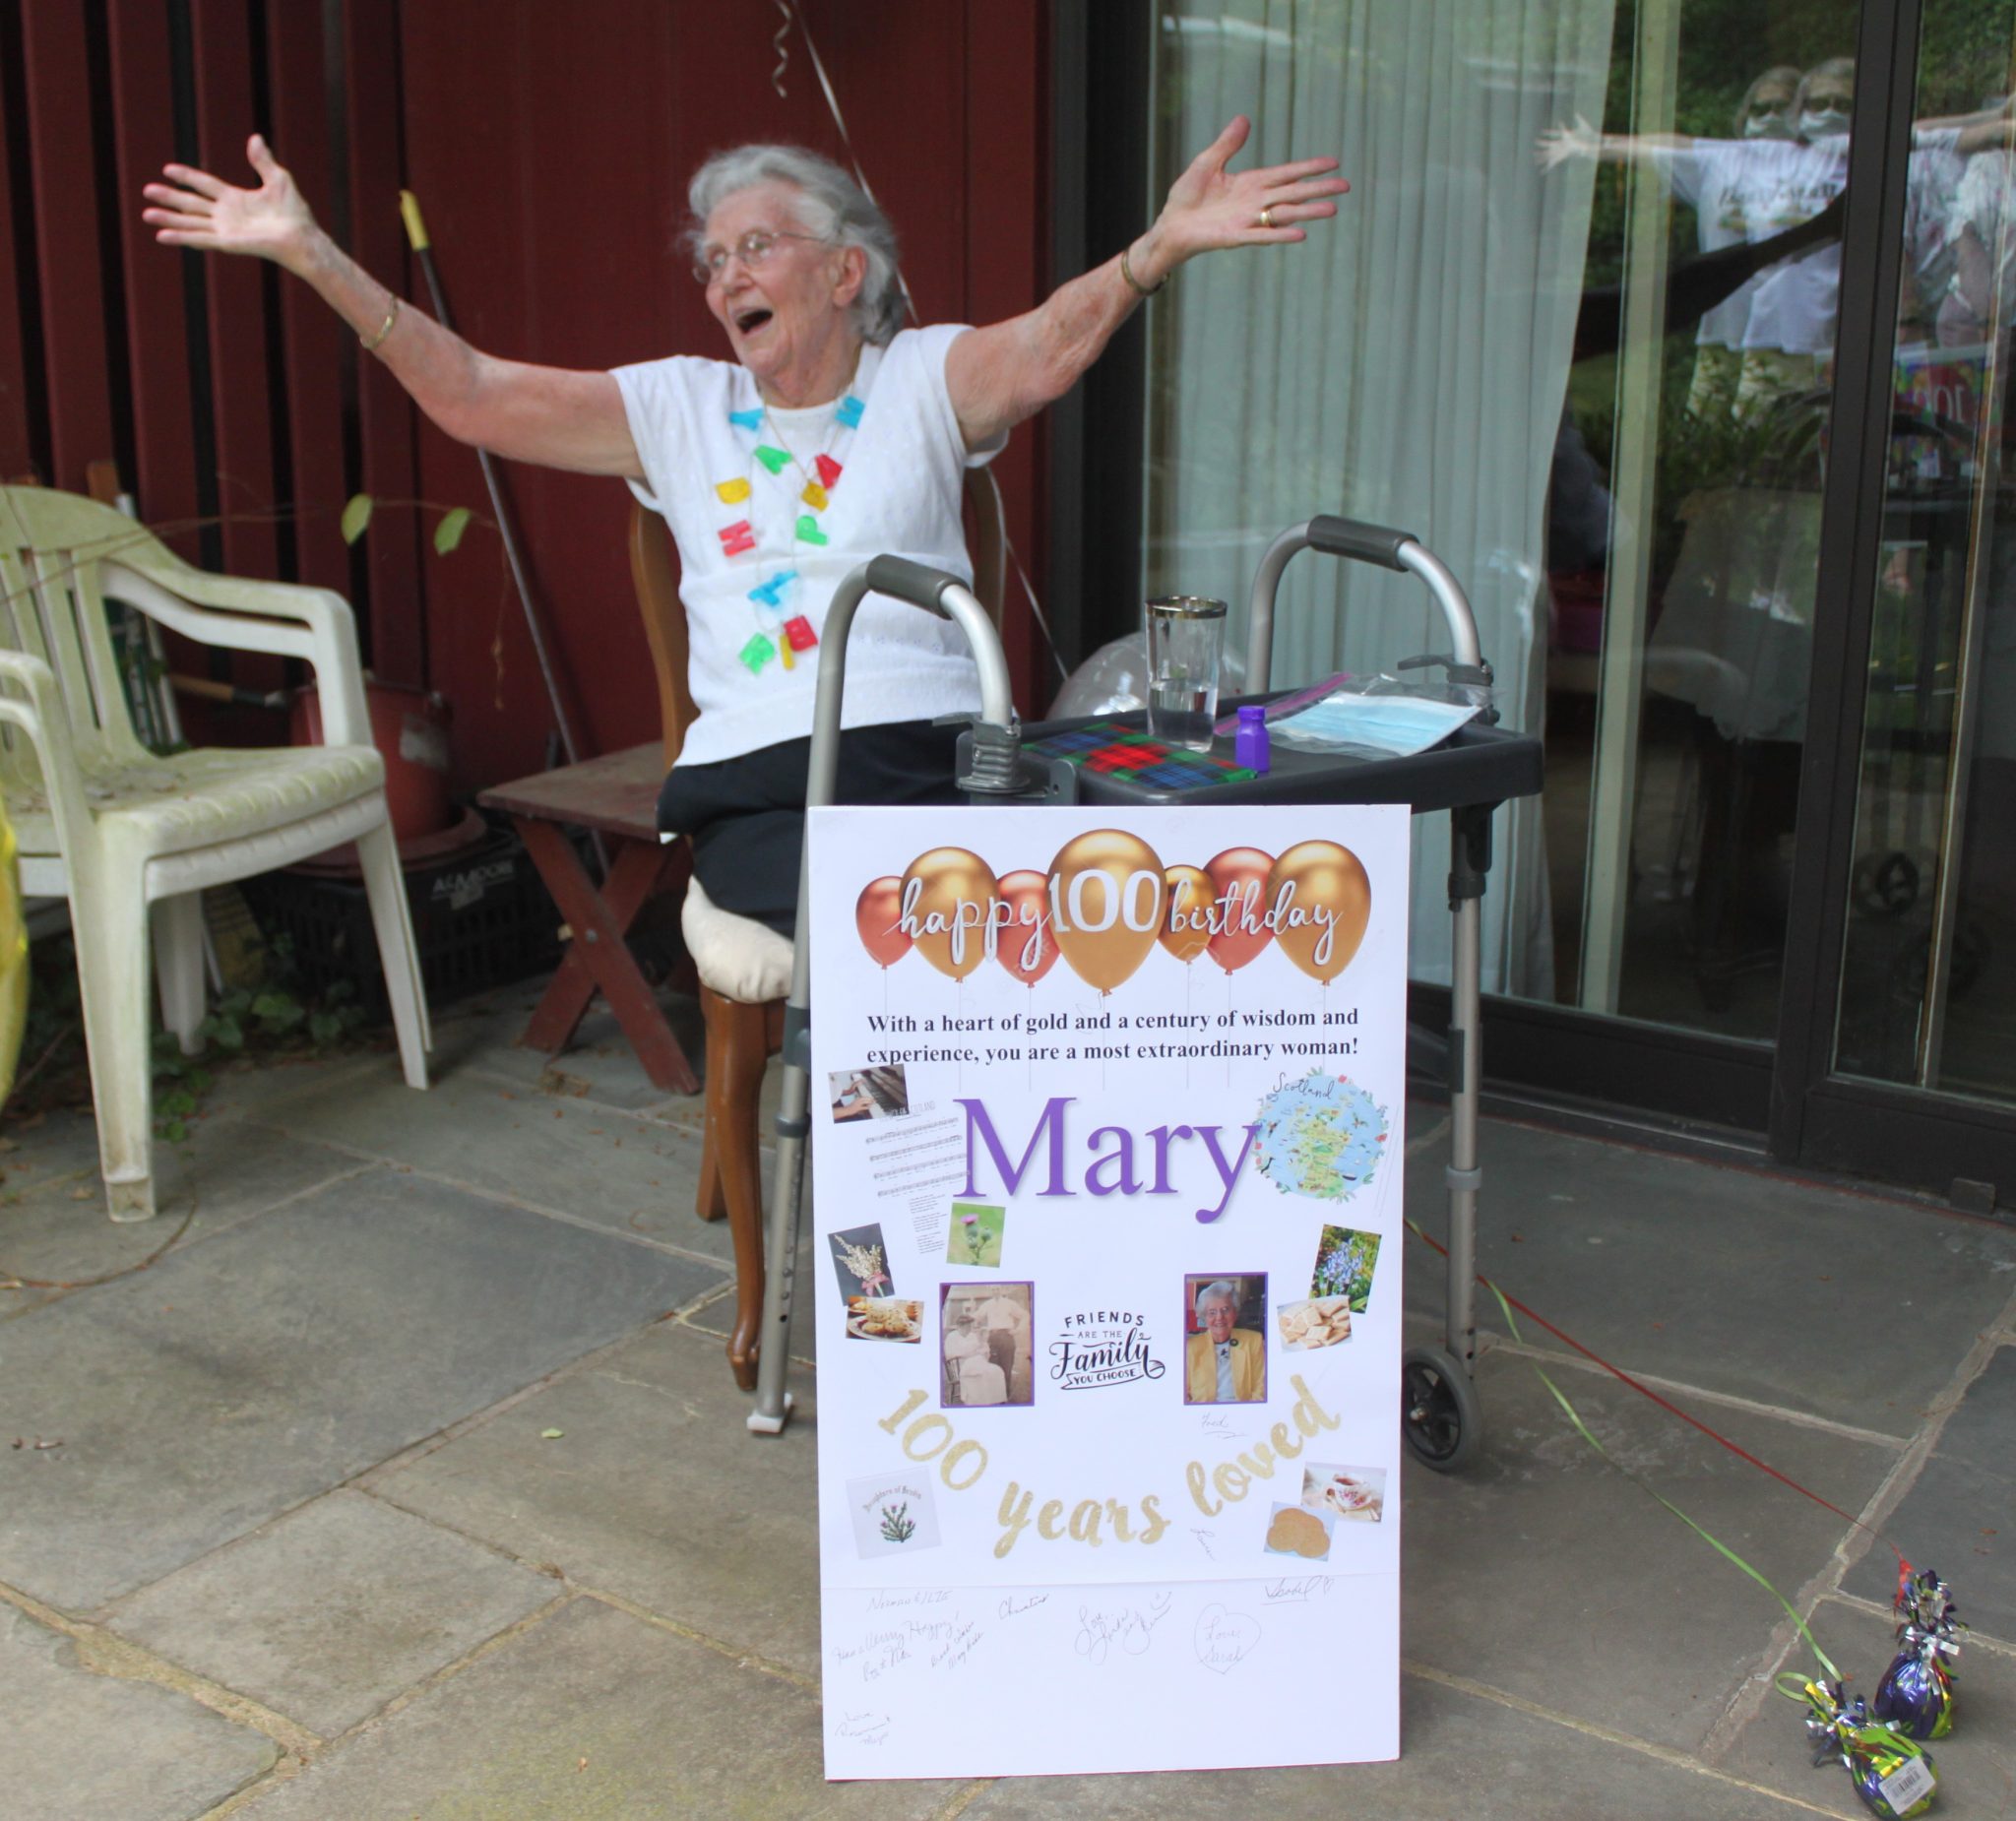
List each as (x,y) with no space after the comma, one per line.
(384,886)
(712,1202)
(178,965)
(736,1051)
(110,929)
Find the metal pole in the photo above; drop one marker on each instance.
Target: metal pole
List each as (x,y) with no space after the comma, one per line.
(939,592)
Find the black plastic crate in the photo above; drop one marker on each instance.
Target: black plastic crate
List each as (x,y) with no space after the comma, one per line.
(481,918)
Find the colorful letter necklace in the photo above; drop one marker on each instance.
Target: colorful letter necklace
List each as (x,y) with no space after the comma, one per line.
(779,632)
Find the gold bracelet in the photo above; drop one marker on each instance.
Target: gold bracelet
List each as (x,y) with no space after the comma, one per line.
(1140,289)
(384,330)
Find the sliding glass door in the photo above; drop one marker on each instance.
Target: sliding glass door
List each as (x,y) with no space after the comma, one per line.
(1598,324)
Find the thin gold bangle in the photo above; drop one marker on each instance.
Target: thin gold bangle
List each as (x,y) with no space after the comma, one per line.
(1139,288)
(384,330)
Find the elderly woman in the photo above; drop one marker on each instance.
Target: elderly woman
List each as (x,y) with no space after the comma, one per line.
(832,436)
(1225,1363)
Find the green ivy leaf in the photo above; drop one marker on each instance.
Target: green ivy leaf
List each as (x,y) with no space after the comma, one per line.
(448,533)
(172,1131)
(179,1104)
(229,1033)
(324,1027)
(356,515)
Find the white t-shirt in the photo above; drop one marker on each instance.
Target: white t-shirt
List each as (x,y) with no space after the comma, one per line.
(767,530)
(1708,177)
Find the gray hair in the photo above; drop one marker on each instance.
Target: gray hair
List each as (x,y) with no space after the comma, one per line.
(1224,1291)
(831,206)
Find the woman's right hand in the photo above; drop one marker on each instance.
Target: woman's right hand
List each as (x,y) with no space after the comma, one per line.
(193,208)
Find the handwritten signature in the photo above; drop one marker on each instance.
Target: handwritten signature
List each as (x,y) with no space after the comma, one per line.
(864,1729)
(1301,1587)
(1131,1628)
(1011,1606)
(1224,1640)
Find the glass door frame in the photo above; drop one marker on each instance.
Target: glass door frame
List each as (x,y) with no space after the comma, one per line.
(1784,1098)
(1817,1116)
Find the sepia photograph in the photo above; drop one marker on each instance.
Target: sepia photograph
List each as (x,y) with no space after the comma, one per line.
(985,1344)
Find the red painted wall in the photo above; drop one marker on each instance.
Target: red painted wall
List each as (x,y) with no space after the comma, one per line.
(549,148)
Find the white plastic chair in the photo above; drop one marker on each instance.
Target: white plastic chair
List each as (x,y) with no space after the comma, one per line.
(124,834)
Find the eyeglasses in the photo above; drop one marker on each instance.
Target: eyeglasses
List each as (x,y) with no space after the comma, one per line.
(752,250)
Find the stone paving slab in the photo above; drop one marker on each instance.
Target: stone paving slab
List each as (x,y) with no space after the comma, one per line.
(1960,1517)
(1977,1762)
(329,1614)
(601,1166)
(1461,1756)
(656,1491)
(229,1171)
(600,1064)
(1739,1281)
(592,1715)
(203,1398)
(81,1746)
(62,1145)
(1546,1572)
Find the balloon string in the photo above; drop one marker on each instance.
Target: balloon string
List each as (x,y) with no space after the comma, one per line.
(1645,1485)
(791,11)
(1510,1303)
(780,41)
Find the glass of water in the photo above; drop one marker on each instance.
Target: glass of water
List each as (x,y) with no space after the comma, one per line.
(1185,639)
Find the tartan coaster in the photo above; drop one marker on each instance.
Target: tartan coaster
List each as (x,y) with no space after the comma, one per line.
(1113,750)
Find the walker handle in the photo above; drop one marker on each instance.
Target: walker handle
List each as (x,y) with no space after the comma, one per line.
(1360,542)
(916,583)
(1352,538)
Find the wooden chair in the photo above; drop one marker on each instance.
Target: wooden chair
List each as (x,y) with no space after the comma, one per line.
(746,967)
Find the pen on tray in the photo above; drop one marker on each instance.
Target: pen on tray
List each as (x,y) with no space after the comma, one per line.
(1286,705)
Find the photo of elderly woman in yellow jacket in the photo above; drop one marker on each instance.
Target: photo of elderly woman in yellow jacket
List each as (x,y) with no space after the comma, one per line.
(1224,1364)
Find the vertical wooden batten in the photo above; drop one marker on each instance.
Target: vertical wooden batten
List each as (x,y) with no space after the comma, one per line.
(69,273)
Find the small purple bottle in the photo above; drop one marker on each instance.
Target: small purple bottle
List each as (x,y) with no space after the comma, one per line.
(1249,744)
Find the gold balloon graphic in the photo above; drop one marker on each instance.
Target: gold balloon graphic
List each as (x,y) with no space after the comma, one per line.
(1321,901)
(1108,895)
(950,896)
(1192,903)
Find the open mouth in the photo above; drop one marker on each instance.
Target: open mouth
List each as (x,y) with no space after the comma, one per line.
(749,321)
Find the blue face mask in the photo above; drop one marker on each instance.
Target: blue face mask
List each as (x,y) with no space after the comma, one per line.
(1775,123)
(1822,122)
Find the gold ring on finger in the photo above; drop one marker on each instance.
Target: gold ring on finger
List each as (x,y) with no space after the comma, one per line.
(1267,218)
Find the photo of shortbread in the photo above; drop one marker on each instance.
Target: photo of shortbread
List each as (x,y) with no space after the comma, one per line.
(1295,1531)
(1321,1321)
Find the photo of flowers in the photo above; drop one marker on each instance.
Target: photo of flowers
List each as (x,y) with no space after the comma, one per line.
(893,1515)
(861,1261)
(1344,1258)
(974,1236)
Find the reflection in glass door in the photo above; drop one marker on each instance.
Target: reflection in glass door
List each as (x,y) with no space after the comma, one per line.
(1684,512)
(1927,986)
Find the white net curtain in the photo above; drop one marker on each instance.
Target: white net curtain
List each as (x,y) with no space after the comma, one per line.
(1406,365)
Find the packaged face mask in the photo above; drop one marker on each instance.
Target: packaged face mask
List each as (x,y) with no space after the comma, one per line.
(1383,727)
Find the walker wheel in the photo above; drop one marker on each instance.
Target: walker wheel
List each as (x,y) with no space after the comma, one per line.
(1439,1414)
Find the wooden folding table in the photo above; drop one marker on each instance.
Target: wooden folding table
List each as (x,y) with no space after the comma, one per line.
(615,796)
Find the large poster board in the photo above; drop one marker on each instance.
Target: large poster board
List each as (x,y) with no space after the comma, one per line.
(1108,1152)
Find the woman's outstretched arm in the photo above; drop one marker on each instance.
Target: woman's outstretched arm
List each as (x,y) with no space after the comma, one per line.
(999,375)
(551,415)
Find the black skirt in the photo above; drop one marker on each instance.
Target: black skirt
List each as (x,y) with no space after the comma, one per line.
(747,815)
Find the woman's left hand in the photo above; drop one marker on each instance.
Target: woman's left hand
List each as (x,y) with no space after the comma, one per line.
(1209,207)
